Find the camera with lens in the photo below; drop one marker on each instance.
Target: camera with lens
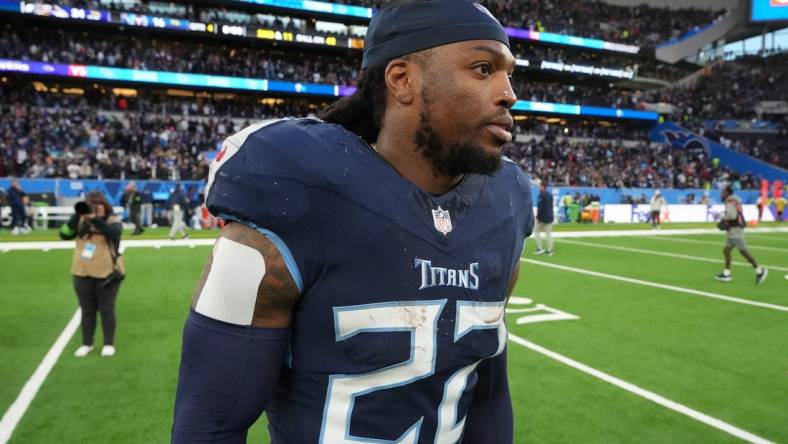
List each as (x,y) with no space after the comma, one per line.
(83,208)
(115,277)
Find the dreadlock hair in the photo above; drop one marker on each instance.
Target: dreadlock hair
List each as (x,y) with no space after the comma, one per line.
(362,112)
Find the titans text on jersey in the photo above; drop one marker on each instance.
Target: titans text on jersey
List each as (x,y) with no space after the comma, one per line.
(432,275)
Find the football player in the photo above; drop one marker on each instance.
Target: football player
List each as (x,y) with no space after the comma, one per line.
(733,223)
(358,292)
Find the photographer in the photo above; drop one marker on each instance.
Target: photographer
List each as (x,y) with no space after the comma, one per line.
(733,223)
(96,266)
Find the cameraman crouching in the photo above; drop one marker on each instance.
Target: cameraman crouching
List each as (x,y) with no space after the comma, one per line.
(733,223)
(96,266)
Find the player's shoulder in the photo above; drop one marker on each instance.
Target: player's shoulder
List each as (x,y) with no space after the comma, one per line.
(511,187)
(293,131)
(300,149)
(288,139)
(512,178)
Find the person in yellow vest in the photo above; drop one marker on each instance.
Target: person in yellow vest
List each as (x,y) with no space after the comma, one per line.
(779,204)
(96,267)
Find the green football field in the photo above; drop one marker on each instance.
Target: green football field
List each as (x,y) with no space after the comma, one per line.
(613,339)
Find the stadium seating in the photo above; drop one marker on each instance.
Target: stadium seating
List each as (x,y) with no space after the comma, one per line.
(643,25)
(152,132)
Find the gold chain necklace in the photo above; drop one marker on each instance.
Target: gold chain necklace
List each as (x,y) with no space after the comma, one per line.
(375,147)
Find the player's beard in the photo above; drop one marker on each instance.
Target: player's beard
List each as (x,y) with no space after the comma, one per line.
(456,158)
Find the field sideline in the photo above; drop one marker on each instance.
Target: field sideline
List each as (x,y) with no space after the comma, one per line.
(620,336)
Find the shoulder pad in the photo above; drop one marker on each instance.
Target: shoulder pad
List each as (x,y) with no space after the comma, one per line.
(303,150)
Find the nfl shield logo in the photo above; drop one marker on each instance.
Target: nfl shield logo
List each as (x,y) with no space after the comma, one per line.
(442,220)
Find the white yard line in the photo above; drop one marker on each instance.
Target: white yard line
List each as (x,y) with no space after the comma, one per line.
(135,243)
(721,243)
(667,254)
(665,232)
(17,410)
(691,291)
(767,237)
(67,245)
(651,396)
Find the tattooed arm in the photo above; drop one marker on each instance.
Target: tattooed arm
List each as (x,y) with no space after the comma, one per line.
(277,292)
(235,340)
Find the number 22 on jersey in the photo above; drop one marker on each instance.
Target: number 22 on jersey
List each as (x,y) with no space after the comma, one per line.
(420,319)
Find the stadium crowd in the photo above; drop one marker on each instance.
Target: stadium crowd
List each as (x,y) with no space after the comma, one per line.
(151,54)
(641,67)
(45,135)
(65,47)
(607,164)
(642,25)
(729,90)
(163,136)
(167,55)
(65,136)
(770,148)
(82,143)
(556,92)
(581,129)
(734,90)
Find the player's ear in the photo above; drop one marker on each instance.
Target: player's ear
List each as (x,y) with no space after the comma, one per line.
(400,80)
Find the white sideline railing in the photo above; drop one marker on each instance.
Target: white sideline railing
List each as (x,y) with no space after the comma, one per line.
(42,215)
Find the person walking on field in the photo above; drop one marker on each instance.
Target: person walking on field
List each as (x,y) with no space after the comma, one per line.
(657,204)
(178,206)
(733,223)
(544,220)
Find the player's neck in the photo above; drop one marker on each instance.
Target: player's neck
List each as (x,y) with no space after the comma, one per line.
(402,155)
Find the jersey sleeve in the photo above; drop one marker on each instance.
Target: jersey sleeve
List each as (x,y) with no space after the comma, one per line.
(227,376)
(527,216)
(259,179)
(521,201)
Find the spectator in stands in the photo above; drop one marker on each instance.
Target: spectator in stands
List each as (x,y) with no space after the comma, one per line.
(132,200)
(97,268)
(544,220)
(178,206)
(16,200)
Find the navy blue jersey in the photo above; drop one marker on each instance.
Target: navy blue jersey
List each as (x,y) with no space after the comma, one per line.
(402,292)
(544,207)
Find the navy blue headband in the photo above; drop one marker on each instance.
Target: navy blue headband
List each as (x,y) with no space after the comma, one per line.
(422,24)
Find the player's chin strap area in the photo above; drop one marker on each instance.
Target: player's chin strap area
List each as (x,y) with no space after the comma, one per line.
(227,375)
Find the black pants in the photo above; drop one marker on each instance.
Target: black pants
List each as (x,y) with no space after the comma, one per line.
(17,217)
(134,216)
(92,298)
